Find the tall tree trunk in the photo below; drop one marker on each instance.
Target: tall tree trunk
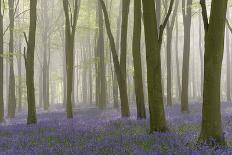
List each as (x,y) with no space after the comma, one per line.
(29,64)
(187,18)
(153,40)
(228,73)
(177,60)
(201,54)
(19,60)
(138,79)
(211,129)
(102,69)
(11,94)
(45,39)
(170,27)
(1,66)
(120,77)
(70,31)
(123,55)
(115,83)
(40,87)
(84,77)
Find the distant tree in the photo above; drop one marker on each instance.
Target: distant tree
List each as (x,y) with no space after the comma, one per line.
(170,27)
(71,16)
(115,83)
(177,60)
(11,93)
(29,64)
(153,40)
(101,62)
(138,78)
(46,55)
(1,65)
(228,68)
(211,129)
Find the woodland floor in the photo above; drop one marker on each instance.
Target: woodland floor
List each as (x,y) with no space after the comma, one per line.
(95,132)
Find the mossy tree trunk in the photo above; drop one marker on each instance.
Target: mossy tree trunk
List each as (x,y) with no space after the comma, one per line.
(138,78)
(123,55)
(120,77)
(153,40)
(70,31)
(29,64)
(211,129)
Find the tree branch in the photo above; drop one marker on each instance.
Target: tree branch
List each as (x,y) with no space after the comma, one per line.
(229,26)
(204,14)
(162,26)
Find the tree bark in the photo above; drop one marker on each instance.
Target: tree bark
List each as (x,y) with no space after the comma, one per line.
(29,64)
(153,40)
(120,77)
(138,79)
(70,31)
(1,66)
(187,18)
(211,129)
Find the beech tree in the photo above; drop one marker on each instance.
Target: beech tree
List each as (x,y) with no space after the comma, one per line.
(29,64)
(1,65)
(117,67)
(70,31)
(123,53)
(153,40)
(187,19)
(138,79)
(211,128)
(11,94)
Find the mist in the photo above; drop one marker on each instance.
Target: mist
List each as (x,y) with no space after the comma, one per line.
(115,77)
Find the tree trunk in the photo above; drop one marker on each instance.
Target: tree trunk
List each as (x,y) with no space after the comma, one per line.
(228,73)
(201,55)
(138,79)
(177,60)
(211,129)
(11,94)
(1,66)
(120,77)
(123,54)
(155,96)
(115,83)
(102,69)
(187,18)
(29,64)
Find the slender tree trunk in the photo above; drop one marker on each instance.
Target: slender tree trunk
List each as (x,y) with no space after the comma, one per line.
(19,60)
(201,54)
(70,30)
(187,17)
(177,60)
(11,94)
(1,66)
(228,73)
(123,55)
(40,87)
(45,39)
(115,83)
(120,77)
(138,79)
(102,69)
(29,64)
